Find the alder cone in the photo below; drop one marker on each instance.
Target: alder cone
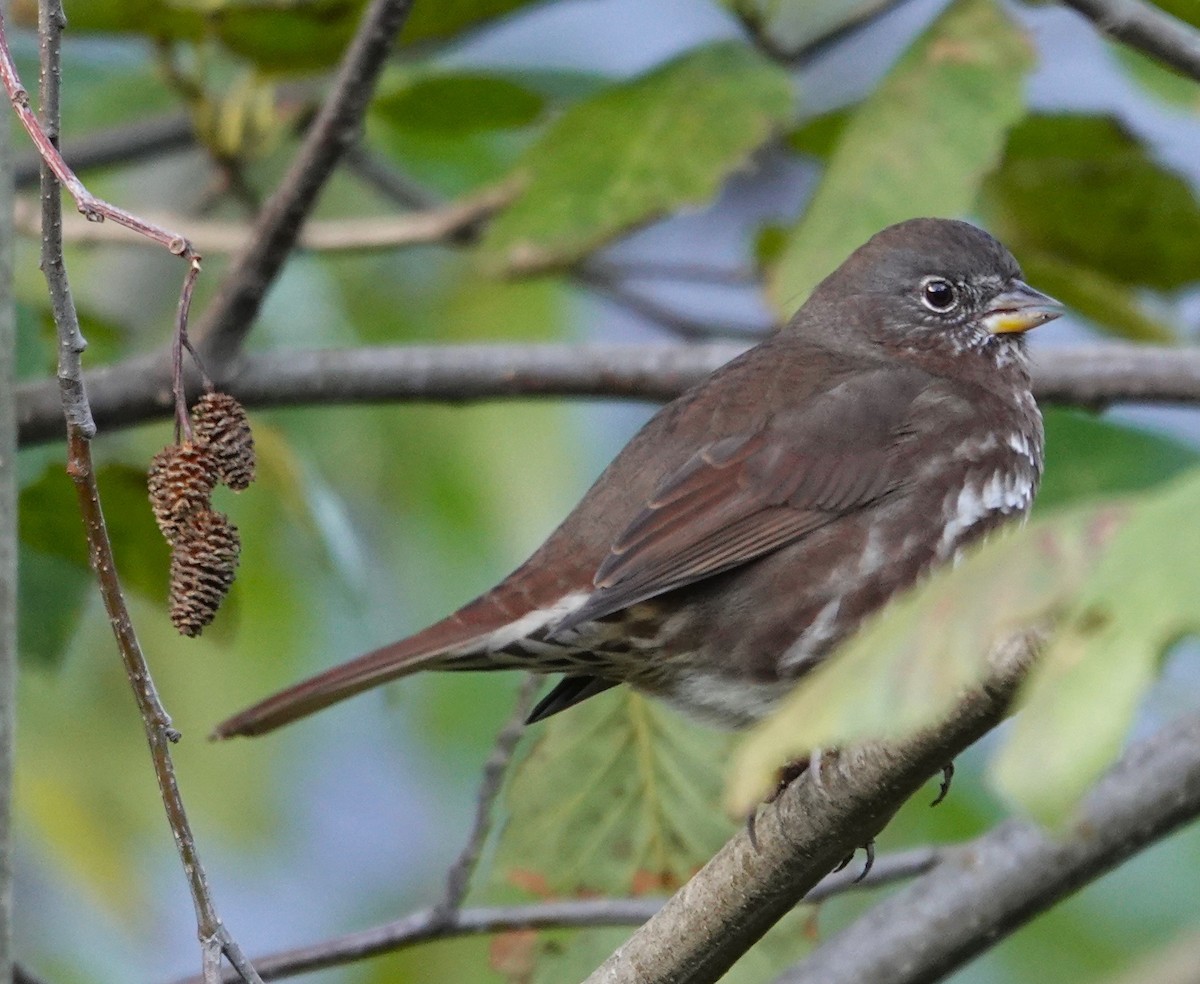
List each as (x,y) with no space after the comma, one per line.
(203,564)
(180,483)
(220,423)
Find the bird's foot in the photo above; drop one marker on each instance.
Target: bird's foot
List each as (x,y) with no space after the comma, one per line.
(947,778)
(869,848)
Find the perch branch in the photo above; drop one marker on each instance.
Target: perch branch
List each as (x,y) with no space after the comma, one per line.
(1015,872)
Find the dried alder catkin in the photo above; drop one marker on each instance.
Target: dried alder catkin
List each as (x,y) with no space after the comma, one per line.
(180,482)
(219,423)
(204,544)
(203,563)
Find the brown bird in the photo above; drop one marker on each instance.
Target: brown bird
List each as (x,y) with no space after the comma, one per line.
(756,520)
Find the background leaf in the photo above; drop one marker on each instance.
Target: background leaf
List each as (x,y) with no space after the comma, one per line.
(634,151)
(920,144)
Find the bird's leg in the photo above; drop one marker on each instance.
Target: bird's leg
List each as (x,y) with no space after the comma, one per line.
(869,847)
(947,778)
(787,775)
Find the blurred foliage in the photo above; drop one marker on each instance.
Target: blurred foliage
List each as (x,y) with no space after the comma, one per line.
(367,522)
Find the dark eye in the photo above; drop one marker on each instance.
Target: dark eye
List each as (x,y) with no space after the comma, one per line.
(938,295)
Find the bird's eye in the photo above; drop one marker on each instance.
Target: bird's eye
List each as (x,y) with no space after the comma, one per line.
(938,295)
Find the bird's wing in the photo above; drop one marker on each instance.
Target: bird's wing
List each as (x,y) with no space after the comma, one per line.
(745,495)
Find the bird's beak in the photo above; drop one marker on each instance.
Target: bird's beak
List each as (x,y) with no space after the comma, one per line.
(1018,308)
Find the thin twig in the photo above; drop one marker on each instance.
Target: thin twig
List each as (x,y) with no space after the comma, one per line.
(1015,872)
(137,391)
(335,128)
(458,876)
(437,224)
(157,724)
(93,208)
(758,27)
(1152,31)
(425,925)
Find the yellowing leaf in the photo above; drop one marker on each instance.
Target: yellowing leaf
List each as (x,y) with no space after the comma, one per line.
(909,664)
(1139,598)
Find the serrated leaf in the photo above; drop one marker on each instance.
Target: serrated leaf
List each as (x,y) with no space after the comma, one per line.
(909,663)
(619,795)
(919,145)
(1084,191)
(635,151)
(1078,705)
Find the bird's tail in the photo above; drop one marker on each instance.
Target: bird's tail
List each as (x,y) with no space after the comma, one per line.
(457,642)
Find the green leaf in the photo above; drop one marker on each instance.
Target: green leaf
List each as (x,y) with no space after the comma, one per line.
(908,665)
(1088,457)
(1082,190)
(294,37)
(1138,599)
(635,151)
(150,18)
(919,145)
(1186,10)
(460,104)
(789,26)
(1157,79)
(52,597)
(50,524)
(446,18)
(1112,306)
(620,795)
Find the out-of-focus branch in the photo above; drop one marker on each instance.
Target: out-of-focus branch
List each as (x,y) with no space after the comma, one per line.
(1152,31)
(138,390)
(425,925)
(814,823)
(119,145)
(433,225)
(1015,872)
(335,128)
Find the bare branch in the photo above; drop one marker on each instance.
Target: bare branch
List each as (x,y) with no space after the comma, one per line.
(1152,31)
(425,926)
(138,390)
(432,225)
(336,127)
(1015,872)
(815,823)
(458,878)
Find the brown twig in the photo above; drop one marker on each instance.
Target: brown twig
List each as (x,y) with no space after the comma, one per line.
(1152,31)
(458,876)
(157,724)
(336,127)
(425,925)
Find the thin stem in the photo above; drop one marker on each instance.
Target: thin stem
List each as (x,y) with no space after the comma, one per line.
(458,877)
(427,925)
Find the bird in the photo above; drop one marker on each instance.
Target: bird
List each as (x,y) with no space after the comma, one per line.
(756,520)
